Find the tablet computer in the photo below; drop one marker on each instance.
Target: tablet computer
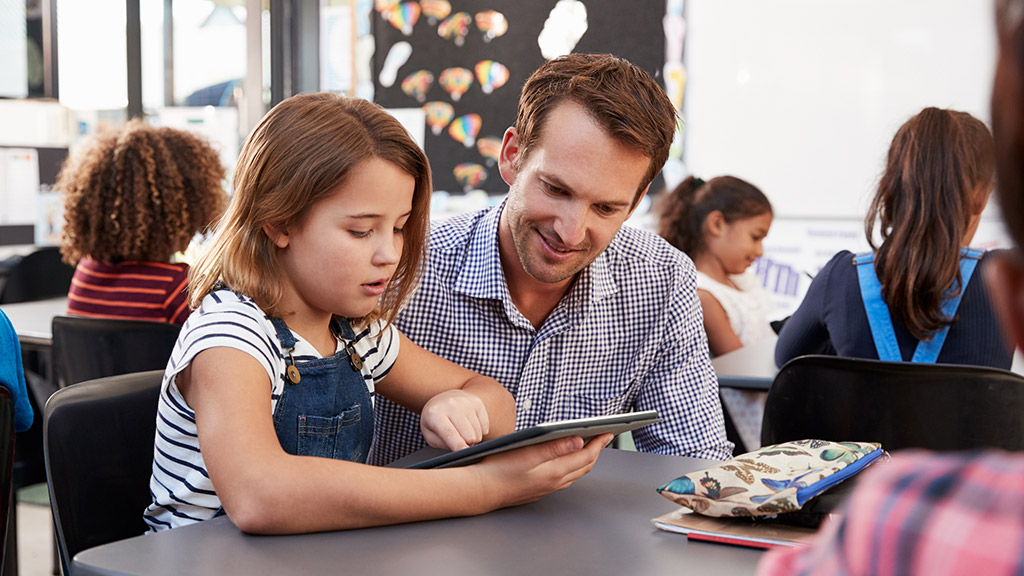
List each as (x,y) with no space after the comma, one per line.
(584,427)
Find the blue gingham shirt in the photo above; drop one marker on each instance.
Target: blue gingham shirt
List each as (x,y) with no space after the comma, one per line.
(628,336)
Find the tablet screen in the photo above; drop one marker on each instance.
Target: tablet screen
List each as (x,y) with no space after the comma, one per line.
(584,427)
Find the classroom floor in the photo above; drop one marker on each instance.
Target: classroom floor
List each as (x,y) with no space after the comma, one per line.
(35,532)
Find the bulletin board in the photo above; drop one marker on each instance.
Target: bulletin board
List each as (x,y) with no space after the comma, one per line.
(416,42)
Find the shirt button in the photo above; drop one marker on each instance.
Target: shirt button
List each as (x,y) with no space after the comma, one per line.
(525,404)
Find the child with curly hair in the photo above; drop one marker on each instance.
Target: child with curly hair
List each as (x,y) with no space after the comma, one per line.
(133,199)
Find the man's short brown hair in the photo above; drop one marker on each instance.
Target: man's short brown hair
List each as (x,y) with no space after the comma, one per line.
(623,99)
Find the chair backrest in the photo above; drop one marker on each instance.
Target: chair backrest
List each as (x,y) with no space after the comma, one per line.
(6,466)
(98,439)
(89,348)
(899,404)
(37,276)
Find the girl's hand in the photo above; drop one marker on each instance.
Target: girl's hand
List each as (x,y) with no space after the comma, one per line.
(454,420)
(527,474)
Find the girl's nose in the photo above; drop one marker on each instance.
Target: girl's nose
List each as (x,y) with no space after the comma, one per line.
(389,251)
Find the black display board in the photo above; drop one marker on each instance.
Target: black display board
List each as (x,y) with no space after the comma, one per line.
(630,29)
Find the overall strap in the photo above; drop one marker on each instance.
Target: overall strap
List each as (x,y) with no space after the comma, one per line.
(879,318)
(284,335)
(928,350)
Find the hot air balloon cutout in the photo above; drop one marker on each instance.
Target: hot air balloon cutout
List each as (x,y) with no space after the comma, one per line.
(435,10)
(470,175)
(404,16)
(492,23)
(455,28)
(455,81)
(439,114)
(491,75)
(489,147)
(418,84)
(465,128)
(382,6)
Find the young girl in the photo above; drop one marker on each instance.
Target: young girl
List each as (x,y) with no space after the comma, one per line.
(920,296)
(720,225)
(266,413)
(134,198)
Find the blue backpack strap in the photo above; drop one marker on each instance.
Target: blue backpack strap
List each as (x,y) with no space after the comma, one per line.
(879,318)
(928,350)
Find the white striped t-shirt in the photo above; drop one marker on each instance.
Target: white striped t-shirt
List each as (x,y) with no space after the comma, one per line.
(180,486)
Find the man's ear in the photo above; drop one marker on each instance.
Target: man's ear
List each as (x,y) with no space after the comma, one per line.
(507,156)
(278,237)
(1004,279)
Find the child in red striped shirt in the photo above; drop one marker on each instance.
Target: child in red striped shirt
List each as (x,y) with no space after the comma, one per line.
(133,199)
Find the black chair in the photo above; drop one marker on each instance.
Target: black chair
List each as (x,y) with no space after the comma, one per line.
(6,469)
(98,438)
(37,276)
(899,404)
(89,348)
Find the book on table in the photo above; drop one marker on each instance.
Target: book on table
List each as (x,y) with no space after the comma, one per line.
(742,531)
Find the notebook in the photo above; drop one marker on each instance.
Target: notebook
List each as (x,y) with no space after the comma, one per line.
(584,427)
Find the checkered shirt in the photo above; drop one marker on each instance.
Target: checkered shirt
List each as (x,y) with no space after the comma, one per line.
(922,514)
(628,336)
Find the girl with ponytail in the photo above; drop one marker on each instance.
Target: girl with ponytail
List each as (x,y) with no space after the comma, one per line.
(919,295)
(720,224)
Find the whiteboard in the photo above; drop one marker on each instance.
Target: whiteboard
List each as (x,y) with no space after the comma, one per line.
(803,97)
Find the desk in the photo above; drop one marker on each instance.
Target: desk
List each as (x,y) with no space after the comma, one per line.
(751,367)
(32,320)
(600,525)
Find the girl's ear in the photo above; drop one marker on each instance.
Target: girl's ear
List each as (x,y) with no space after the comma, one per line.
(715,223)
(278,237)
(507,156)
(979,199)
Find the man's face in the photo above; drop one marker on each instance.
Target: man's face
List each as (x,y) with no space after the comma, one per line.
(568,198)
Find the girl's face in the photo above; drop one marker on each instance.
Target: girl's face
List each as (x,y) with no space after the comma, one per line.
(739,243)
(340,258)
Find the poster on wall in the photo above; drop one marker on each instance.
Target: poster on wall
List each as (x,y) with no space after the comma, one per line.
(464,62)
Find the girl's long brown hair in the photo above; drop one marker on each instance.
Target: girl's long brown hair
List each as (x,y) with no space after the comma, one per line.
(923,208)
(299,154)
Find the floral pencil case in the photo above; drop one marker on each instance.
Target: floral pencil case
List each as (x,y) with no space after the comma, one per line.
(771,480)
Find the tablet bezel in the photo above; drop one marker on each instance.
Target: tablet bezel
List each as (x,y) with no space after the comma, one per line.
(584,427)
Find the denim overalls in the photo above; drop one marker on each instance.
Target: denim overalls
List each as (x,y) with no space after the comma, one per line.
(325,408)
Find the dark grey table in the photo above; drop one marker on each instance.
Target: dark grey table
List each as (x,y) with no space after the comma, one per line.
(600,525)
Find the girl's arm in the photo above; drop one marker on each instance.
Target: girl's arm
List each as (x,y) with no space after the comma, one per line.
(265,490)
(721,338)
(458,407)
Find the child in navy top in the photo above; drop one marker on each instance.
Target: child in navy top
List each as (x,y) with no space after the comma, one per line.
(920,283)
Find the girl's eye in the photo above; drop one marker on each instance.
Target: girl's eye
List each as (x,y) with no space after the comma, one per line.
(359,233)
(399,231)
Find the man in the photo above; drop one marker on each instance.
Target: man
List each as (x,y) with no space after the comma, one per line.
(548,294)
(946,514)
